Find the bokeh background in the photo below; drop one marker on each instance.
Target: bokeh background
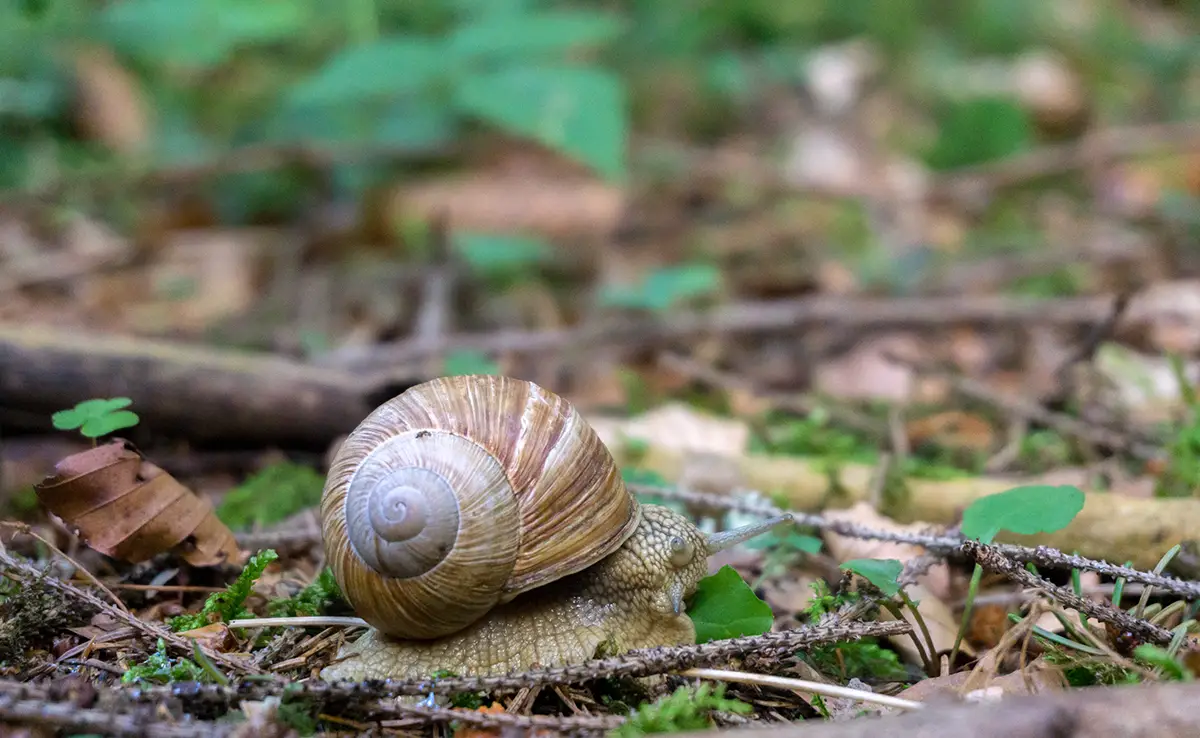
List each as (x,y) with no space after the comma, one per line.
(805,215)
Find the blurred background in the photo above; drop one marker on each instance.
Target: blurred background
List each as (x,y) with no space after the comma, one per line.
(853,226)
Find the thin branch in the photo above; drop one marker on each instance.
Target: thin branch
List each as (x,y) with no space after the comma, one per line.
(636,663)
(179,643)
(390,359)
(992,559)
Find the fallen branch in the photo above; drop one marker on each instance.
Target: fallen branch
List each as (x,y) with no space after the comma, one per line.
(637,663)
(68,717)
(992,560)
(208,392)
(744,317)
(1165,710)
(1111,526)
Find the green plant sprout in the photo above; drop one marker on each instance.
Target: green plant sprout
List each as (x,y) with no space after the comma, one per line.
(1024,510)
(884,574)
(227,605)
(687,708)
(98,417)
(862,657)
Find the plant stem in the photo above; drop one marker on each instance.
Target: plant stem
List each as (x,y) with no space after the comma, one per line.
(935,667)
(972,590)
(894,609)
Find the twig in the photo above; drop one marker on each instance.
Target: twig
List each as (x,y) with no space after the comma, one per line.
(1095,148)
(992,559)
(802,685)
(1153,710)
(23,528)
(745,317)
(321,621)
(938,545)
(179,643)
(573,724)
(637,663)
(67,716)
(941,545)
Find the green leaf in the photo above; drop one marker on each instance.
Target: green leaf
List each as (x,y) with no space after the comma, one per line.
(415,125)
(510,37)
(580,112)
(464,363)
(271,495)
(1022,510)
(500,256)
(96,417)
(664,288)
(102,426)
(382,70)
(978,131)
(883,573)
(724,606)
(201,34)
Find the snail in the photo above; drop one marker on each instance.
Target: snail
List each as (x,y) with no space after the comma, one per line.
(479,526)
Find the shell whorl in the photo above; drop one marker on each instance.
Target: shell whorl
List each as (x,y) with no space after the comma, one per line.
(461,493)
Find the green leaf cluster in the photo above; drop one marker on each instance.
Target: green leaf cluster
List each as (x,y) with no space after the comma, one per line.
(95,418)
(159,668)
(687,708)
(228,605)
(664,288)
(315,599)
(271,495)
(521,69)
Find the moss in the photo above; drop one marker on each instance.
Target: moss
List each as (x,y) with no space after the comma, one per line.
(30,617)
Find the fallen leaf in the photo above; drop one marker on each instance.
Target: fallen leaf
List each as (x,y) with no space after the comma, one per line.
(109,105)
(202,277)
(682,428)
(531,203)
(215,636)
(126,507)
(1043,676)
(954,429)
(866,372)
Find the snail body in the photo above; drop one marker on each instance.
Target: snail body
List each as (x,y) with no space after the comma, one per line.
(478,525)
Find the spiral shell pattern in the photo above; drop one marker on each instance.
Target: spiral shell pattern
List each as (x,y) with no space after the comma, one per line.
(463,492)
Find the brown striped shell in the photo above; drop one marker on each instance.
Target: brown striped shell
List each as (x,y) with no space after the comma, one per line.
(460,494)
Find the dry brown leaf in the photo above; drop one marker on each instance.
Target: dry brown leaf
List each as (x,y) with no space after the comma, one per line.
(109,104)
(216,636)
(1043,677)
(867,373)
(535,203)
(128,508)
(953,428)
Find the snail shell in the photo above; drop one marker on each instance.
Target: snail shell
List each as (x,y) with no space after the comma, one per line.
(463,492)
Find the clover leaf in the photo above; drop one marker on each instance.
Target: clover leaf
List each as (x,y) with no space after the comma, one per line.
(95,418)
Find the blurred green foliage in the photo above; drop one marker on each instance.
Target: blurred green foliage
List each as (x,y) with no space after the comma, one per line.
(416,75)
